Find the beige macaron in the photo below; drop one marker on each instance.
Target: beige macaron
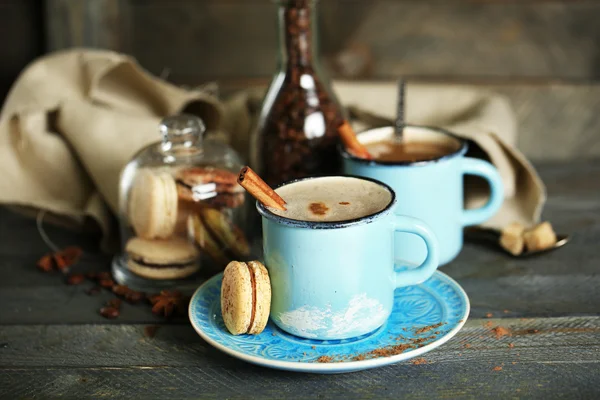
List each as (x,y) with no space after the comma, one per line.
(245,297)
(162,258)
(153,204)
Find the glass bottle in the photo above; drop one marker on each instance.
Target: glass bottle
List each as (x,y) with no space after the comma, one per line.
(181,210)
(296,134)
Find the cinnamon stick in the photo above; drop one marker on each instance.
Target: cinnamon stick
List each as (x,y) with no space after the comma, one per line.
(351,142)
(259,189)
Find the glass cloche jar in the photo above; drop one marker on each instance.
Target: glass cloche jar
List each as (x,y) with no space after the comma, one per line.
(181,211)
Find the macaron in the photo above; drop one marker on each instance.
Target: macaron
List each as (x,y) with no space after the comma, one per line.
(162,258)
(153,204)
(245,297)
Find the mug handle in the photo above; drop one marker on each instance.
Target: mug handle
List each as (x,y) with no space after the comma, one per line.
(484,169)
(420,274)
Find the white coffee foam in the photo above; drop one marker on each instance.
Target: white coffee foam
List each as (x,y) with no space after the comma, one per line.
(364,198)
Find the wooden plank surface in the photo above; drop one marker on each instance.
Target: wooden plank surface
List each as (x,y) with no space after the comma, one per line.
(177,345)
(53,343)
(525,380)
(381,38)
(548,285)
(561,359)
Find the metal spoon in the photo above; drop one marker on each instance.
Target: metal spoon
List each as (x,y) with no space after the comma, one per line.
(492,236)
(399,124)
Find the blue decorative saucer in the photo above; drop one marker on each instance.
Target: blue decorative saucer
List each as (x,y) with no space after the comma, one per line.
(425,316)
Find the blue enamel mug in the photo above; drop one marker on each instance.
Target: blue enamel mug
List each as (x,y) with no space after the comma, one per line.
(336,280)
(431,190)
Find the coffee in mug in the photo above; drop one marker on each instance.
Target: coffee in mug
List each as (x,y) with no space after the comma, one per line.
(411,151)
(333,198)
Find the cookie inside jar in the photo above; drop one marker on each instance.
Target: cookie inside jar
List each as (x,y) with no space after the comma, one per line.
(182,212)
(209,200)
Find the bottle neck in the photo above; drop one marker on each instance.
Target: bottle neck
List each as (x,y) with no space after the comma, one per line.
(297,34)
(181,132)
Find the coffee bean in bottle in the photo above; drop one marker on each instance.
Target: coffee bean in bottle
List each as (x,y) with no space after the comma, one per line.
(296,134)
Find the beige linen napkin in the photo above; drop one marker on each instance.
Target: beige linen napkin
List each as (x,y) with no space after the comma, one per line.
(483,117)
(72,121)
(74,118)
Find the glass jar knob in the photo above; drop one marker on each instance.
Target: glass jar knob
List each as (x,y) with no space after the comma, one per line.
(181,130)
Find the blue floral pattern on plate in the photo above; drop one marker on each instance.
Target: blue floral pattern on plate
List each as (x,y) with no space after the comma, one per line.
(438,300)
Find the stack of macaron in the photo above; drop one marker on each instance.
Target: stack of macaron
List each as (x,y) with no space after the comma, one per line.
(178,216)
(155,253)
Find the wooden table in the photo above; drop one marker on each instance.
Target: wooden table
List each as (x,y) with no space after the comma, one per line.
(53,342)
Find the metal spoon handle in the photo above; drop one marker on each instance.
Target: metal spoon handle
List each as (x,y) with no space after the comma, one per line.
(400,110)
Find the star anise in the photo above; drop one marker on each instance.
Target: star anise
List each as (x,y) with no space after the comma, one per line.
(168,302)
(61,260)
(67,257)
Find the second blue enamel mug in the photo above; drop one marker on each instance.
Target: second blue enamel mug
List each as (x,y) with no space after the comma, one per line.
(431,190)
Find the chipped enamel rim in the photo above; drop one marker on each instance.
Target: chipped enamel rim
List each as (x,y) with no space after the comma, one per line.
(266,213)
(336,367)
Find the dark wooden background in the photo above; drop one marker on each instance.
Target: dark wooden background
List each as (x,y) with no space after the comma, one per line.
(21,38)
(235,39)
(542,54)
